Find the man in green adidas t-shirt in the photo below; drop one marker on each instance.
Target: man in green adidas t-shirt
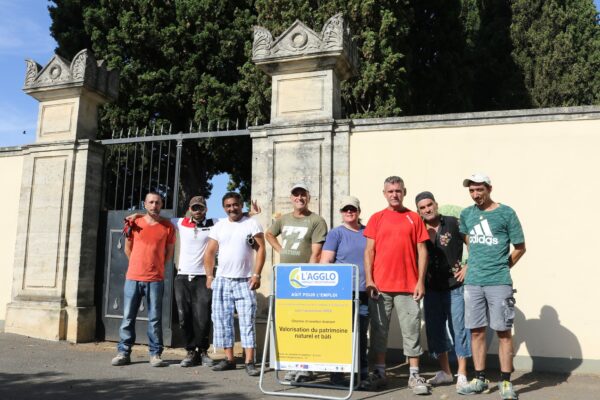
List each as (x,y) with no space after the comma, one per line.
(489,228)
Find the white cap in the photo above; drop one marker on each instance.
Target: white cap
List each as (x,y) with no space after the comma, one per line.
(299,186)
(477,177)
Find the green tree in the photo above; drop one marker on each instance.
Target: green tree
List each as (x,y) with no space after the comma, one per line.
(439,77)
(380,30)
(557,45)
(179,62)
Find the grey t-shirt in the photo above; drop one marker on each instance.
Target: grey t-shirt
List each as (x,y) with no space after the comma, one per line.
(297,236)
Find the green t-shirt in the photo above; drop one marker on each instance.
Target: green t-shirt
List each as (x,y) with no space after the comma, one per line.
(490,234)
(297,236)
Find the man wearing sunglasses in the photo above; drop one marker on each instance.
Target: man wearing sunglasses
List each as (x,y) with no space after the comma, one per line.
(193,298)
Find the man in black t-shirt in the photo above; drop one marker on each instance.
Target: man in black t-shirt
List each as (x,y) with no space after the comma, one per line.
(444,302)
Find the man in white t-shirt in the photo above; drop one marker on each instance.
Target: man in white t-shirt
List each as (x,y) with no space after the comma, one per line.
(235,238)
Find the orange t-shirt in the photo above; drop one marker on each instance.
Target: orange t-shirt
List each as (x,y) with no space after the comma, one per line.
(396,235)
(147,259)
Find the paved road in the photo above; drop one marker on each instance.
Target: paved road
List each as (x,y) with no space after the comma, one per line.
(41,370)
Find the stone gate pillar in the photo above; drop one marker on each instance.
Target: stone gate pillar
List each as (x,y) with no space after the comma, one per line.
(303,141)
(55,254)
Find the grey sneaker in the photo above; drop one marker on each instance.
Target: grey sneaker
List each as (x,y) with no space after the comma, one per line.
(418,384)
(290,376)
(192,358)
(121,359)
(375,381)
(251,369)
(474,387)
(224,365)
(506,391)
(440,378)
(207,361)
(304,376)
(157,361)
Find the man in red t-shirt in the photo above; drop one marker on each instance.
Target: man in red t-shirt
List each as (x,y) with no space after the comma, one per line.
(149,246)
(395,268)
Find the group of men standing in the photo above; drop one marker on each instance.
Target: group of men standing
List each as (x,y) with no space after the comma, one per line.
(408,256)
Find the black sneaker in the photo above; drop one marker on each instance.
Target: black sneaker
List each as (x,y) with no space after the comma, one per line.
(338,379)
(192,358)
(224,365)
(251,370)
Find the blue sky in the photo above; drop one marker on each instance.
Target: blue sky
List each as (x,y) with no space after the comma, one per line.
(24,33)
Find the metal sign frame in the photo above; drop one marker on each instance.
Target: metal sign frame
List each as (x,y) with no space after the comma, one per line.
(271,332)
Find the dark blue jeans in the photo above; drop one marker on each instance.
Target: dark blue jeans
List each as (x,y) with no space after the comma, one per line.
(445,322)
(134,291)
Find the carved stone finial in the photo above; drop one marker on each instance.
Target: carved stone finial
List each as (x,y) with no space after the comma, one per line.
(262,42)
(83,71)
(334,45)
(333,32)
(33,70)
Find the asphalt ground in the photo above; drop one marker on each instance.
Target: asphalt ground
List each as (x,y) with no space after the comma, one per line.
(43,370)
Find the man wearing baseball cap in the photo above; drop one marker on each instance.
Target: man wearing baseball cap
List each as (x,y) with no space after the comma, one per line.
(302,236)
(489,228)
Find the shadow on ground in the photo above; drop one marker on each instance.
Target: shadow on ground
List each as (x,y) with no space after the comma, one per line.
(51,385)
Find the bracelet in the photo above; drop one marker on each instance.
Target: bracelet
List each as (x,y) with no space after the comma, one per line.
(256,275)
(210,276)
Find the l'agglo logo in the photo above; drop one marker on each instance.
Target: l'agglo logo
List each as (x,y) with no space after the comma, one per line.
(301,279)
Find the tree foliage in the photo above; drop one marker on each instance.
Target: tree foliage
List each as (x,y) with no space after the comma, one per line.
(557,46)
(183,60)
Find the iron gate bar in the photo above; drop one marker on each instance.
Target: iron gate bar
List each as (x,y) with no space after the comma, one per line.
(142,169)
(177,136)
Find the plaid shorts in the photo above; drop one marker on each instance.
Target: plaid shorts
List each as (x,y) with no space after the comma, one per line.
(230,294)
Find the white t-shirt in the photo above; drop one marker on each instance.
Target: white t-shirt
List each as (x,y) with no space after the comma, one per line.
(236,256)
(192,243)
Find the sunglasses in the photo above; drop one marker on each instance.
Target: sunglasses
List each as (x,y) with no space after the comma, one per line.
(197,207)
(349,209)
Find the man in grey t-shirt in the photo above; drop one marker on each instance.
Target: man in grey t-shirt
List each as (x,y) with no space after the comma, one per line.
(302,235)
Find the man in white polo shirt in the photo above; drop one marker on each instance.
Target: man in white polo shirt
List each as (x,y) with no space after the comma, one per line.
(193,298)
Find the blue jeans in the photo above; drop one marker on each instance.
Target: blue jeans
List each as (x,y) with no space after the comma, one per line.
(133,293)
(445,322)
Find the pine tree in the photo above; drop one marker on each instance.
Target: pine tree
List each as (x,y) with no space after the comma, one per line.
(557,45)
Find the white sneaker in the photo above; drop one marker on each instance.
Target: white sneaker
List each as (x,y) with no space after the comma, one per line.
(461,381)
(440,378)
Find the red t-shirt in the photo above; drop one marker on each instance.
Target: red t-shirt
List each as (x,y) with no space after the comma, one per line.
(147,259)
(396,235)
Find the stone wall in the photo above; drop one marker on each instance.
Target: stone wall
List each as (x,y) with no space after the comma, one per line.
(544,164)
(11,165)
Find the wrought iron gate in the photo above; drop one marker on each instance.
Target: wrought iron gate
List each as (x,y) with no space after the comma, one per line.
(136,162)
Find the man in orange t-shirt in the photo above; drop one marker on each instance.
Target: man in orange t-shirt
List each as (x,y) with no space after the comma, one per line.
(149,246)
(395,267)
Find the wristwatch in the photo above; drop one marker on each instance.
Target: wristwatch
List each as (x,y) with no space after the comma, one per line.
(256,276)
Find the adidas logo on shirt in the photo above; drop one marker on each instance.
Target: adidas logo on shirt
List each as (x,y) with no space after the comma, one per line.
(482,234)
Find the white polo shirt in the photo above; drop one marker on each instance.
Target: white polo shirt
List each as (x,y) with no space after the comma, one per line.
(192,244)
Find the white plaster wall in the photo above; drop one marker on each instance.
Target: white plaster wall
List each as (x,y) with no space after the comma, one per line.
(548,172)
(11,163)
